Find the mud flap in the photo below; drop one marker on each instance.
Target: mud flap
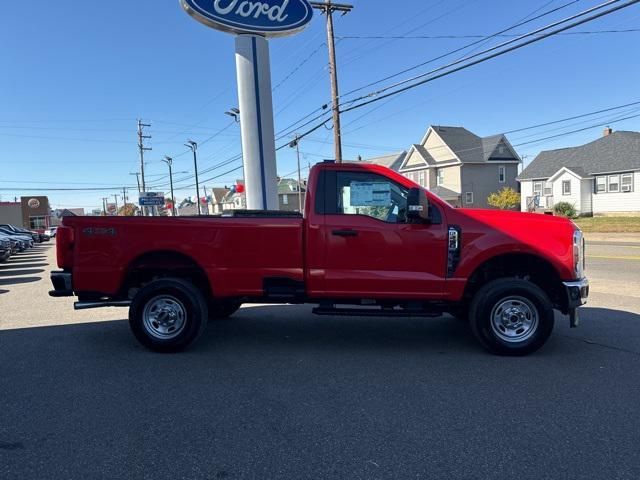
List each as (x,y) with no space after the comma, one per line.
(574,318)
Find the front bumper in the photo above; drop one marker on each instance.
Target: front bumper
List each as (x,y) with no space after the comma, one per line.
(62,284)
(577,292)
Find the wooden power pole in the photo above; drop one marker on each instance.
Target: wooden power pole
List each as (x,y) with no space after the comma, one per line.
(328,8)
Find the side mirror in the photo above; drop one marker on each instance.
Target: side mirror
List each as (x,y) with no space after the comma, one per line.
(417,206)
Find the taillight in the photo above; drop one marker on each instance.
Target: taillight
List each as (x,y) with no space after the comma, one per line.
(64,247)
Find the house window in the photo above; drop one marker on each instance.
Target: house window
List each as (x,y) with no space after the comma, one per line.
(627,182)
(548,189)
(566,187)
(502,174)
(468,198)
(537,188)
(422,182)
(601,184)
(613,182)
(285,199)
(440,176)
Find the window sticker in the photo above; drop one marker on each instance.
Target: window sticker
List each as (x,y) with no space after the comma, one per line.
(370,194)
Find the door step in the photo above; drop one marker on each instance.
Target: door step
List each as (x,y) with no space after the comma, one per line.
(373,312)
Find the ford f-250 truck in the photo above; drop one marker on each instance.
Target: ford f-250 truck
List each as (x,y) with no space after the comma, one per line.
(370,243)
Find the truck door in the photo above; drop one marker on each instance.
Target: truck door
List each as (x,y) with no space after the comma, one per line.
(371,251)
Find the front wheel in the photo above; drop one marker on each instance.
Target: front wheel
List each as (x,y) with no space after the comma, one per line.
(511,316)
(168,315)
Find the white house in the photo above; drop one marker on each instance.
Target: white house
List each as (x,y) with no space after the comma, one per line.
(599,178)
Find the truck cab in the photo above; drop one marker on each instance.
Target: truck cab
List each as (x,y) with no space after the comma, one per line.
(370,243)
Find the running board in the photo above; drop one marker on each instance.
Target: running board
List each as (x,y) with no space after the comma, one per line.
(364,312)
(100,304)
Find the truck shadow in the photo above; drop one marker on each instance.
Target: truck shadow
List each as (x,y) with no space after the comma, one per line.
(280,330)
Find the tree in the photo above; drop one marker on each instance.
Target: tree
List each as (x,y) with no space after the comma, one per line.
(128,210)
(505,199)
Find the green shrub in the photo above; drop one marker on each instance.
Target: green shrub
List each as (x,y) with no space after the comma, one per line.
(565,209)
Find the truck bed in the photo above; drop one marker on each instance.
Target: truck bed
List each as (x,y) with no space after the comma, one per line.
(236,253)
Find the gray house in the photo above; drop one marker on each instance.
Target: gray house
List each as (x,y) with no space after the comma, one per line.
(599,178)
(461,167)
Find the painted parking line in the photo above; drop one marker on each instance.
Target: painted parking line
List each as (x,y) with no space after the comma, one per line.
(613,257)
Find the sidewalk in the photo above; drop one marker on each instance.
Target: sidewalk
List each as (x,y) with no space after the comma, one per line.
(595,237)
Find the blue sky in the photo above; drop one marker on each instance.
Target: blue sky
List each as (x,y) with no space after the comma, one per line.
(76,76)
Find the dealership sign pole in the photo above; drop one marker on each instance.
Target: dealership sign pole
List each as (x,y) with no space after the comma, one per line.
(254,22)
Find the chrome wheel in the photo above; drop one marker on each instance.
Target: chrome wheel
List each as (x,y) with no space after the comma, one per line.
(164,317)
(514,319)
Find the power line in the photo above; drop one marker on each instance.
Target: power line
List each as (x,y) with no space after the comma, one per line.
(379,97)
(483,37)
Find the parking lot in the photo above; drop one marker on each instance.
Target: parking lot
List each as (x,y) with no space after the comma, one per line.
(279,393)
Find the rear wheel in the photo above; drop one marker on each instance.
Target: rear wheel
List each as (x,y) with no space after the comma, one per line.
(168,315)
(511,317)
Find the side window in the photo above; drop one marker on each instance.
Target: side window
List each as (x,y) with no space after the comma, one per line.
(502,173)
(361,193)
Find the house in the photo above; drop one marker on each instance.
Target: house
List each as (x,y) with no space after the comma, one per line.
(217,206)
(288,193)
(461,167)
(599,178)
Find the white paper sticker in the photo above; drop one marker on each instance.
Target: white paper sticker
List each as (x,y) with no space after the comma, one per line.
(370,194)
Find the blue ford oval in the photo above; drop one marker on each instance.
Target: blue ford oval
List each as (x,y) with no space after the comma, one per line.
(271,18)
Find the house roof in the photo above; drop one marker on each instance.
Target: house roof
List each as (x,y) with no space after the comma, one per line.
(619,151)
(445,193)
(218,194)
(289,185)
(465,145)
(392,161)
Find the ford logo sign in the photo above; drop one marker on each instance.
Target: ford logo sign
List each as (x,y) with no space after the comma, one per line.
(271,18)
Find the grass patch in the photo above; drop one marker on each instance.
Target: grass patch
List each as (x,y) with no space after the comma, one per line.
(609,224)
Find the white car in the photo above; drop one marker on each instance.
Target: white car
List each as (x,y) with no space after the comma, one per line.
(51,232)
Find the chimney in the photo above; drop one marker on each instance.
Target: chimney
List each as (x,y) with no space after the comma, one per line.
(607,131)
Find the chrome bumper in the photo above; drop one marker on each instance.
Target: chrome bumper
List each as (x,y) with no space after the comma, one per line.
(577,292)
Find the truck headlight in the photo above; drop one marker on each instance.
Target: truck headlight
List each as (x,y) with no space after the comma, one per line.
(578,253)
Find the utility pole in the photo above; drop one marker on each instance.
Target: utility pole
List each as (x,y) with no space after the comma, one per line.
(206,198)
(124,200)
(115,196)
(104,205)
(169,161)
(142,148)
(296,144)
(194,147)
(328,8)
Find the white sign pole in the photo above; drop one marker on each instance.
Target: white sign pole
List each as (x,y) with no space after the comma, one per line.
(256,122)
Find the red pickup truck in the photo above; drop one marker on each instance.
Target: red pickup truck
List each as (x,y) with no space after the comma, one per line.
(370,243)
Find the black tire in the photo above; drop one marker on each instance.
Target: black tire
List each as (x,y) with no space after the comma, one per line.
(222,309)
(527,301)
(175,296)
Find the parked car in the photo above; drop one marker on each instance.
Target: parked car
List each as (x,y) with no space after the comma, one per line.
(371,243)
(51,232)
(5,249)
(24,241)
(35,236)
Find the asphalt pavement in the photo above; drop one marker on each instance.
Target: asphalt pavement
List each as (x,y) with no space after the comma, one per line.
(279,393)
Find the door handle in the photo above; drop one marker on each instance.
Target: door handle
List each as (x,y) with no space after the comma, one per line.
(345,233)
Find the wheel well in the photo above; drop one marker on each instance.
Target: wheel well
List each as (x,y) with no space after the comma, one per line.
(152,266)
(530,267)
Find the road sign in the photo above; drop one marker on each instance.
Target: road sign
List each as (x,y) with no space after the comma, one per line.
(151,199)
(275,18)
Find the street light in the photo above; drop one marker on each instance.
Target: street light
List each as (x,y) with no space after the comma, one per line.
(194,147)
(169,161)
(233,112)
